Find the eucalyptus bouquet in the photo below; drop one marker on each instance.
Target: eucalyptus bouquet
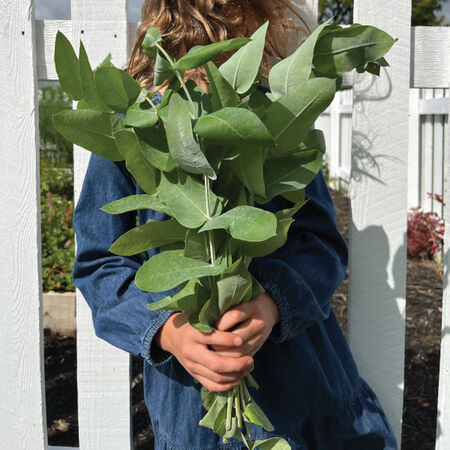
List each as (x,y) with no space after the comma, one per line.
(204,159)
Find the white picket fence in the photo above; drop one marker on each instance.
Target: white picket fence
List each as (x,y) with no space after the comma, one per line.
(428,121)
(378,173)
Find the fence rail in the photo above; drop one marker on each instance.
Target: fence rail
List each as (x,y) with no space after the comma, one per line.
(379,167)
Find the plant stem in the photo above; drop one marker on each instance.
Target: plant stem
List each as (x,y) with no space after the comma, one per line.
(205,178)
(237,406)
(152,104)
(229,409)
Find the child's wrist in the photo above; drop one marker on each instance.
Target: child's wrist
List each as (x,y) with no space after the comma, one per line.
(164,336)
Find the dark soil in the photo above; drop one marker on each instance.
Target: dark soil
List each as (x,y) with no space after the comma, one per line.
(423,332)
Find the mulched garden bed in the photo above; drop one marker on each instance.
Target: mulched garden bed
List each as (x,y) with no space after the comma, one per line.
(423,333)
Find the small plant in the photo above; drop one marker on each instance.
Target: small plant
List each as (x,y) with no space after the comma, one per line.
(56,227)
(425,237)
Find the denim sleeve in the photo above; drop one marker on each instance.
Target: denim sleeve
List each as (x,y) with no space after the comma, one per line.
(119,308)
(302,275)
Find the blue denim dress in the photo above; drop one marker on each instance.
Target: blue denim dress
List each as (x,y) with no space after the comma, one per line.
(310,387)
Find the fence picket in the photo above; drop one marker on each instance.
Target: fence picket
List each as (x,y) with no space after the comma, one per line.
(378,196)
(23,422)
(103,371)
(443,407)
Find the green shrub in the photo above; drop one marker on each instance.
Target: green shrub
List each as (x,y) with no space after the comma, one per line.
(56,172)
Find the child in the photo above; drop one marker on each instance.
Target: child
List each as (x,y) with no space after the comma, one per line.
(288,337)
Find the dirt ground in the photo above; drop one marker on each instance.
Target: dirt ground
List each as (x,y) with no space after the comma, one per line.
(423,331)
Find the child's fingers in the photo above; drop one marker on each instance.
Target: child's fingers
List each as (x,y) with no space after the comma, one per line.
(225,365)
(222,338)
(233,316)
(198,369)
(215,387)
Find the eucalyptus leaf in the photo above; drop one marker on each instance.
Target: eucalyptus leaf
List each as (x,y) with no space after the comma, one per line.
(290,118)
(90,93)
(223,94)
(89,129)
(163,70)
(233,126)
(245,222)
(150,235)
(183,148)
(344,49)
(116,88)
(151,38)
(194,321)
(196,245)
(135,160)
(249,167)
(155,149)
(136,202)
(272,444)
(292,172)
(67,67)
(141,115)
(256,415)
(241,69)
(166,270)
(191,298)
(295,69)
(185,197)
(200,55)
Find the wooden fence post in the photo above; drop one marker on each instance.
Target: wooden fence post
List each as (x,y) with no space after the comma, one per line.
(22,406)
(103,371)
(443,410)
(378,195)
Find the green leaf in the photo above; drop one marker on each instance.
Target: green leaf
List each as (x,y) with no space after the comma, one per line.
(185,197)
(275,443)
(241,69)
(140,115)
(106,62)
(191,298)
(248,166)
(155,148)
(166,270)
(67,67)
(344,49)
(90,93)
(284,221)
(196,245)
(234,286)
(89,129)
(315,140)
(135,160)
(251,382)
(292,172)
(163,70)
(152,37)
(223,94)
(135,202)
(150,235)
(194,321)
(290,118)
(233,126)
(245,222)
(256,415)
(220,403)
(296,68)
(183,148)
(200,55)
(116,88)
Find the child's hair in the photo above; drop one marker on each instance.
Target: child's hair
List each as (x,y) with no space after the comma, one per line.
(186,23)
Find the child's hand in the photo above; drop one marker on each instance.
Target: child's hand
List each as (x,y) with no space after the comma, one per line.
(253,321)
(190,346)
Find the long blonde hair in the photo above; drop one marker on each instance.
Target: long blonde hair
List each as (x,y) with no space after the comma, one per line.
(186,23)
